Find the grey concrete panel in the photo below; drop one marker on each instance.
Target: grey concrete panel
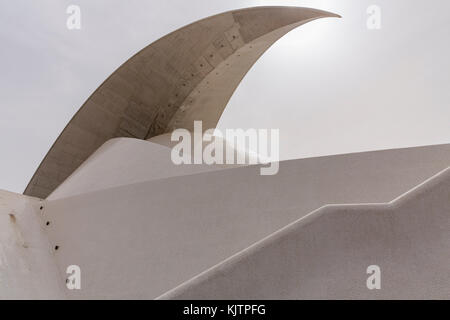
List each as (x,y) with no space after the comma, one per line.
(189,74)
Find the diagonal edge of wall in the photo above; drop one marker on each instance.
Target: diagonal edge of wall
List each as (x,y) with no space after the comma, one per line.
(407,237)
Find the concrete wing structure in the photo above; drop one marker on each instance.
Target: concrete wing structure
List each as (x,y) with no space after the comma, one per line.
(137,226)
(187,75)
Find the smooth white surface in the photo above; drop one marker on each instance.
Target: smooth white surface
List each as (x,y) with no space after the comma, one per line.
(326,254)
(124,161)
(142,239)
(27,266)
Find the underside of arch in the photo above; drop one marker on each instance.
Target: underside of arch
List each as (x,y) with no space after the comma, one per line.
(188,75)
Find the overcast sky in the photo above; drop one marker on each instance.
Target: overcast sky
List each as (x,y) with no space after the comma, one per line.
(331,86)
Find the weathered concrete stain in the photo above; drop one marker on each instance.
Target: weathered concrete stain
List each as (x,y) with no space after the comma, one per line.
(27,269)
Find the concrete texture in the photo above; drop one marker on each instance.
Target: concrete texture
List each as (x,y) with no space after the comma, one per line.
(159,234)
(325,254)
(187,75)
(27,266)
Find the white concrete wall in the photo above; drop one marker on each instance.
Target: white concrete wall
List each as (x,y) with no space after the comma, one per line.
(27,266)
(326,254)
(140,240)
(123,161)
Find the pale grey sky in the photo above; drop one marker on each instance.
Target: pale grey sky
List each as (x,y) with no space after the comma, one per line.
(331,86)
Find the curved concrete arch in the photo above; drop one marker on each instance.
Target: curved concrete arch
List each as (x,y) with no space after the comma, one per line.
(189,74)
